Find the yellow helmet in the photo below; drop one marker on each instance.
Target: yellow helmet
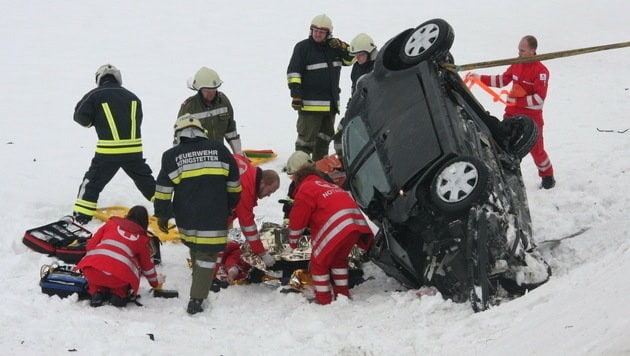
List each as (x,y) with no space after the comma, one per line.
(205,78)
(299,159)
(107,69)
(322,22)
(188,126)
(362,43)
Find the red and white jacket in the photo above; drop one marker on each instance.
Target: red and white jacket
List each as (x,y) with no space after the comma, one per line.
(244,212)
(330,213)
(529,88)
(121,248)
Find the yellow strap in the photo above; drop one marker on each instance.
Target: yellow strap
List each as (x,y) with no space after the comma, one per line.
(110,121)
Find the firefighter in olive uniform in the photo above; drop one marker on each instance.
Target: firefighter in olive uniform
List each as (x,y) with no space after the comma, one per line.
(212,108)
(199,186)
(313,78)
(116,114)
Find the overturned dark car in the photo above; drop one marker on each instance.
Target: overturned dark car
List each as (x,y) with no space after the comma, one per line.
(439,176)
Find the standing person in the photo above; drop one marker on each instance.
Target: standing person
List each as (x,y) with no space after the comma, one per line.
(116,114)
(364,51)
(336,225)
(117,255)
(199,186)
(256,184)
(212,108)
(313,77)
(527,97)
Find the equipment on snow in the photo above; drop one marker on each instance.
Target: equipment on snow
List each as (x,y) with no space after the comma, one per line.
(62,280)
(63,239)
(258,157)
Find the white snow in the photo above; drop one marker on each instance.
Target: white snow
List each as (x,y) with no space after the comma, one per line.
(51,49)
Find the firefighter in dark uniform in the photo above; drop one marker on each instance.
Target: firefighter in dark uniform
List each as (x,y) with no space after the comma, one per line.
(116,114)
(313,78)
(212,108)
(364,51)
(199,186)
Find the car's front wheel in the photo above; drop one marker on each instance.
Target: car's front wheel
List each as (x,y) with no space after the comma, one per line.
(459,184)
(432,40)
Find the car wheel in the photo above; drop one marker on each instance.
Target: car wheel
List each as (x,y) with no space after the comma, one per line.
(459,184)
(521,133)
(432,40)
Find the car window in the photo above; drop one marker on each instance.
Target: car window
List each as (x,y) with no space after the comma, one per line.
(370,174)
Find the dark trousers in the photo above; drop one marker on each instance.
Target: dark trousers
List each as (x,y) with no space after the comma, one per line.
(102,170)
(315,131)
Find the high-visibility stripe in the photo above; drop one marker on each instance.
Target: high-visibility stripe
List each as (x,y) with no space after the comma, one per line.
(199,172)
(134,110)
(84,207)
(119,146)
(110,121)
(204,240)
(162,196)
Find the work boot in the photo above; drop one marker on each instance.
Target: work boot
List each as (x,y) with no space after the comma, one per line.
(81,218)
(548,182)
(194,306)
(96,300)
(118,301)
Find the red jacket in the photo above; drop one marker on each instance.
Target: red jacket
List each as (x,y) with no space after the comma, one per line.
(529,88)
(244,212)
(229,258)
(121,248)
(330,213)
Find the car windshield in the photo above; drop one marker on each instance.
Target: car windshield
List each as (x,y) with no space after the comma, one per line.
(370,174)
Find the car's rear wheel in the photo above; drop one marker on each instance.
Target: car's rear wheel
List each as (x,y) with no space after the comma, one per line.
(432,40)
(459,184)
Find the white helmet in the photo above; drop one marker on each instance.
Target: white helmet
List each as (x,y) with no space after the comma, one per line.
(297,160)
(322,22)
(108,69)
(205,78)
(187,126)
(361,43)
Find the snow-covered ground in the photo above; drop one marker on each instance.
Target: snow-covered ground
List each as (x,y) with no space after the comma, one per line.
(50,51)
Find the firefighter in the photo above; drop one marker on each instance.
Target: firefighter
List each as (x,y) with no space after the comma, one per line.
(116,114)
(313,78)
(212,108)
(364,51)
(198,185)
(336,225)
(257,184)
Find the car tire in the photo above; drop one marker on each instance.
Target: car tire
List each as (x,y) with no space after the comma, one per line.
(458,184)
(521,135)
(431,40)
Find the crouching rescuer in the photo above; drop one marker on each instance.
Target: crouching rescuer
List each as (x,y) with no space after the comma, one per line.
(199,186)
(336,224)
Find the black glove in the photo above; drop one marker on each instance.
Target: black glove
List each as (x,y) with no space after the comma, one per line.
(163,224)
(296,103)
(337,43)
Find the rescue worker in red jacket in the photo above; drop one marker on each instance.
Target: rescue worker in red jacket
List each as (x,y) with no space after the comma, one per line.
(336,225)
(256,184)
(527,97)
(117,255)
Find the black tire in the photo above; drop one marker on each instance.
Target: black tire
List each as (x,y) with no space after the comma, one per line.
(458,184)
(432,40)
(522,133)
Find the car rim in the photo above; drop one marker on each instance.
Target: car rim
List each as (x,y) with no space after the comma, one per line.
(457,181)
(422,39)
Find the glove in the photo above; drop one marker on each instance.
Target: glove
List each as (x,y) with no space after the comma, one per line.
(285,223)
(268,259)
(160,281)
(232,274)
(337,43)
(163,224)
(296,103)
